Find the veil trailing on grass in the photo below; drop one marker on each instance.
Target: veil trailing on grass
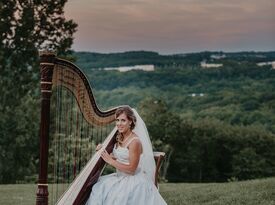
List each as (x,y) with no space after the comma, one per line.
(148,165)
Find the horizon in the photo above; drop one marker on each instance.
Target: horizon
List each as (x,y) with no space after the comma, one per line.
(225,52)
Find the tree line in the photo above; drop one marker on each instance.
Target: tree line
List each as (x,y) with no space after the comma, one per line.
(94,61)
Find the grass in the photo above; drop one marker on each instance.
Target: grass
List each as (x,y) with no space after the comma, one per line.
(253,192)
(19,194)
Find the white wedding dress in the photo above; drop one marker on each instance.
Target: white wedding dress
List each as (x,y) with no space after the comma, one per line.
(123,189)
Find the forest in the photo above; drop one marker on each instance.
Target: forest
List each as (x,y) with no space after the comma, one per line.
(214,124)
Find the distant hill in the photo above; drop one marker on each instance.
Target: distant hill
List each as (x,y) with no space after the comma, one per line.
(240,92)
(89,60)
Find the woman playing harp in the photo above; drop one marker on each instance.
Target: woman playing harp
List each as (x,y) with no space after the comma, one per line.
(132,156)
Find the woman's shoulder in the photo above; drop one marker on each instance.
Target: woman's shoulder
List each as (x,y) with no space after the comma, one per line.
(135,141)
(136,138)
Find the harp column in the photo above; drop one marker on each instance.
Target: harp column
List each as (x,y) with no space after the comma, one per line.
(46,70)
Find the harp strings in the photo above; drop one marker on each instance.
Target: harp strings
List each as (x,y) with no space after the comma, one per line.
(72,139)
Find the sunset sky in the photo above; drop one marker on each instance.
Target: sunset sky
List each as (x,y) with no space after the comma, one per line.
(173,26)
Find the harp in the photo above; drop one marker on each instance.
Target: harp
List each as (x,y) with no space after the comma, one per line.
(71,126)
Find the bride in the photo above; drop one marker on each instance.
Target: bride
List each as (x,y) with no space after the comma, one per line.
(133,182)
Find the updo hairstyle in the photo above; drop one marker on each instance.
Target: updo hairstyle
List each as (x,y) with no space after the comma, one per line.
(127,110)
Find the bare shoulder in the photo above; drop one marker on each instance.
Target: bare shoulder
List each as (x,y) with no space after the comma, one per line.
(135,143)
(136,139)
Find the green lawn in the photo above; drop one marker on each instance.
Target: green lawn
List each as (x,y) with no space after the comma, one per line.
(254,192)
(19,194)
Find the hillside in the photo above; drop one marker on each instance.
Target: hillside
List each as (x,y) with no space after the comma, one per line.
(214,123)
(89,60)
(240,92)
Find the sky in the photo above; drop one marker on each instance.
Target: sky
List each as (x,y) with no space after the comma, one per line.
(173,26)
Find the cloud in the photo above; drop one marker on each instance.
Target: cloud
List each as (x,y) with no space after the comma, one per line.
(171,25)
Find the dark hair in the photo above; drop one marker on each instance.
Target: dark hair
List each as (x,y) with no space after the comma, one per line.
(127,110)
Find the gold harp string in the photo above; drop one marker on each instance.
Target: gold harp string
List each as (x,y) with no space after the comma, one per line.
(80,143)
(58,140)
(70,131)
(79,124)
(55,142)
(64,140)
(76,142)
(54,137)
(91,137)
(74,130)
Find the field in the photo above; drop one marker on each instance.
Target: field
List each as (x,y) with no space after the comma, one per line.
(253,192)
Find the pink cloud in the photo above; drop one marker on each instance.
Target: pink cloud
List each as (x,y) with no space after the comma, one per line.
(172,26)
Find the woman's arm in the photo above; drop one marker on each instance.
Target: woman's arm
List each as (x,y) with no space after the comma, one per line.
(134,155)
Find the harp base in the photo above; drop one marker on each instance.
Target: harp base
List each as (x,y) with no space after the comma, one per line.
(42,194)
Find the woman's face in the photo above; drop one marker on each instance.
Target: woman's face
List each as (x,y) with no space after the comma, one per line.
(123,123)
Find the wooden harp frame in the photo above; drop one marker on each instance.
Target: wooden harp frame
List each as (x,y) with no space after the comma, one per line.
(49,64)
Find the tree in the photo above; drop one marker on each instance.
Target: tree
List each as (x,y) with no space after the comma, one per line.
(26,26)
(247,164)
(163,127)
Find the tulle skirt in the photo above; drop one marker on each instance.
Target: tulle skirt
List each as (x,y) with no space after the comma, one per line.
(124,189)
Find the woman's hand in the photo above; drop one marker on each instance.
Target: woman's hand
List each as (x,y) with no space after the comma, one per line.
(107,157)
(98,147)
(113,157)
